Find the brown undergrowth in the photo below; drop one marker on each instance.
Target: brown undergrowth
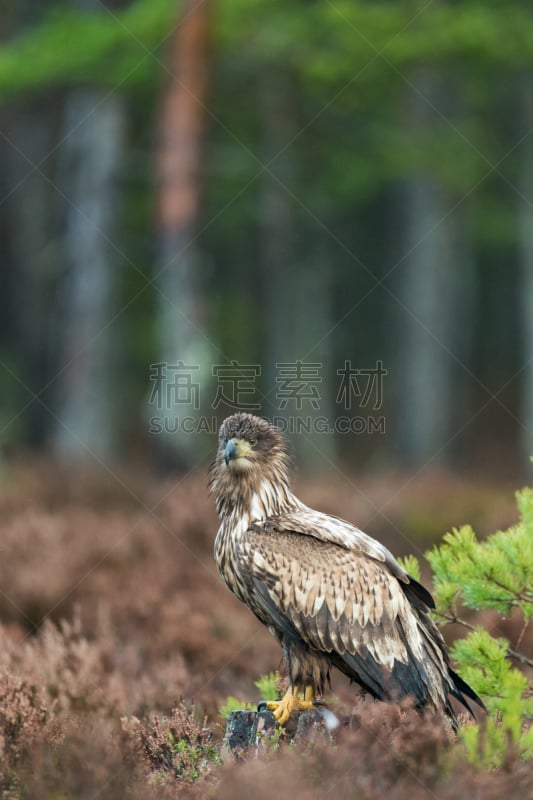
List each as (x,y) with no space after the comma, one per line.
(119,642)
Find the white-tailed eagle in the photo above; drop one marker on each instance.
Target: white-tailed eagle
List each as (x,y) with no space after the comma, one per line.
(330,594)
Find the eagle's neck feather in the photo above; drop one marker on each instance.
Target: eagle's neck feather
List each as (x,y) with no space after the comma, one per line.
(244,504)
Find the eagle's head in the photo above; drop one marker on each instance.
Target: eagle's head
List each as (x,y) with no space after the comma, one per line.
(251,445)
(251,455)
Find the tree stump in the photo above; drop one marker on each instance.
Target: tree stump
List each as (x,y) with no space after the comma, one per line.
(248,731)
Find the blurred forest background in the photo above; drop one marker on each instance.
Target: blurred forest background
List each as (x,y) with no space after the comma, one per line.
(262,182)
(315,210)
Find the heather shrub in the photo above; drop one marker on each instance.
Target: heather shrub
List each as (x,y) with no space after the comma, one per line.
(177,745)
(88,763)
(73,674)
(381,751)
(24,720)
(111,609)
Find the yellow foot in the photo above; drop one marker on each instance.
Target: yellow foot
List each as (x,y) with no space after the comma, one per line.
(290,702)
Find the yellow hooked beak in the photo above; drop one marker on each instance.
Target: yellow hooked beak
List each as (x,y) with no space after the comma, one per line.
(237,448)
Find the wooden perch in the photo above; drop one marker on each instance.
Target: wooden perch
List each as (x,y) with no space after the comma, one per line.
(254,729)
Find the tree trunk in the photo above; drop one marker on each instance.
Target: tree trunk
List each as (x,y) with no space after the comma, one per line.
(433,305)
(296,294)
(180,153)
(319,448)
(248,732)
(526,242)
(29,260)
(87,388)
(277,240)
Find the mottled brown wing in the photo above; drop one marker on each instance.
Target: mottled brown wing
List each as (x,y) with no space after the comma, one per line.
(326,528)
(345,605)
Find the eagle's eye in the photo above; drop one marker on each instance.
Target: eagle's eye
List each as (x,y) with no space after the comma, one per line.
(252,440)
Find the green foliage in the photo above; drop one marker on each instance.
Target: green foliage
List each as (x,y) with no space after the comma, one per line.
(495,574)
(483,661)
(234,704)
(268,686)
(411,566)
(268,690)
(323,38)
(70,48)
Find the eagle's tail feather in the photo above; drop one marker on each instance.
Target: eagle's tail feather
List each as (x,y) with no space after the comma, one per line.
(462,688)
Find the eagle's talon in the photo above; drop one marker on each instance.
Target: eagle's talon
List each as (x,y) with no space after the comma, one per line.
(282,709)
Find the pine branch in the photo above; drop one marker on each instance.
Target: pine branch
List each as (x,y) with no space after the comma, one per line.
(520,657)
(510,652)
(524,596)
(522,633)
